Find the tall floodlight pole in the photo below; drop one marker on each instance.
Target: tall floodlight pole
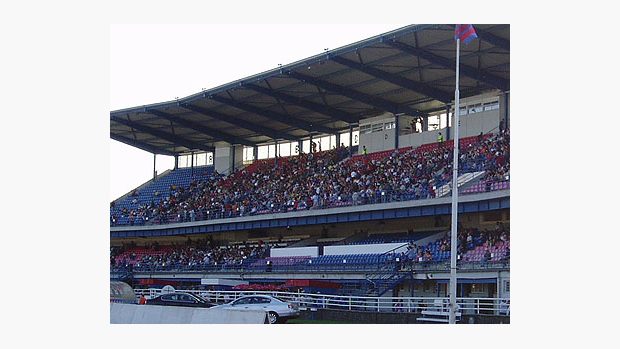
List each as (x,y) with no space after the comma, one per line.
(455,193)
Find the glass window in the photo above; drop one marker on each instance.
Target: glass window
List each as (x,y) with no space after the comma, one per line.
(285,149)
(364,129)
(200,159)
(433,122)
(476,108)
(324,143)
(491,106)
(248,154)
(294,148)
(306,146)
(262,152)
(344,139)
(271,150)
(377,127)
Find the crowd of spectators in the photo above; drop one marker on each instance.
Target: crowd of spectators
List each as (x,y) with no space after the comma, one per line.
(192,254)
(468,240)
(206,253)
(321,180)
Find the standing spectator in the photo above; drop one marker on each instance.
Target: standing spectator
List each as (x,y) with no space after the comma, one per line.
(439,138)
(364,151)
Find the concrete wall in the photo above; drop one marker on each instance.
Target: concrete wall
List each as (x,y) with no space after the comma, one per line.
(377,141)
(156,314)
(360,317)
(471,125)
(361,249)
(311,251)
(417,139)
(224,158)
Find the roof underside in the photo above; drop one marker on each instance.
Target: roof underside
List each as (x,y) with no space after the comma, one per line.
(410,70)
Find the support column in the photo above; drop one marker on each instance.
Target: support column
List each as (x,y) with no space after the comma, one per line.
(233,159)
(337,139)
(275,158)
(310,143)
(154,162)
(396,126)
(192,174)
(350,140)
(255,153)
(176,162)
(300,144)
(447,122)
(507,110)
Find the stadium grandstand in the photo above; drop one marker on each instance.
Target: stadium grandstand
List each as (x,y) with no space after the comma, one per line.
(329,180)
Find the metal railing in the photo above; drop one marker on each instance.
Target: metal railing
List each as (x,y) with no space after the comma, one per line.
(314,267)
(314,301)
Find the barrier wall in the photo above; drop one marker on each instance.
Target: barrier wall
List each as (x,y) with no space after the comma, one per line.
(156,314)
(312,251)
(362,249)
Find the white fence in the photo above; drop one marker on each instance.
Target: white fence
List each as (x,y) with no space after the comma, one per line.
(313,301)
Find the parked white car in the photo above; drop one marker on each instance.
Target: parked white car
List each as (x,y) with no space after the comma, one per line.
(277,311)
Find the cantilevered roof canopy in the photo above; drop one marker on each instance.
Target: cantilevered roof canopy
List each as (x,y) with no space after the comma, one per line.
(410,70)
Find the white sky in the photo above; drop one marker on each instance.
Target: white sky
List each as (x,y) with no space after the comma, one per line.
(156,63)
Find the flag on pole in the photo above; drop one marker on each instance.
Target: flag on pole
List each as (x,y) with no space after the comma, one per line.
(465,32)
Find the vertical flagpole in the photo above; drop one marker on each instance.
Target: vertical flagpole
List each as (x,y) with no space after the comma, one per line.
(455,192)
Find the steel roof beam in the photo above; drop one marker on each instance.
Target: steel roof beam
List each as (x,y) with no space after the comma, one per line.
(412,85)
(201,128)
(318,108)
(141,145)
(164,135)
(285,119)
(359,96)
(271,133)
(494,40)
(473,73)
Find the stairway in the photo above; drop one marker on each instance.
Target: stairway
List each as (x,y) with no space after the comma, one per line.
(460,182)
(385,279)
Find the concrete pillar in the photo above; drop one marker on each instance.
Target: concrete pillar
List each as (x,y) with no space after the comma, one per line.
(396,126)
(275,157)
(507,111)
(447,122)
(176,162)
(192,164)
(232,170)
(350,140)
(154,161)
(255,152)
(310,143)
(337,139)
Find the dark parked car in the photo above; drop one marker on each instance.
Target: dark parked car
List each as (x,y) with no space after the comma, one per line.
(180,299)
